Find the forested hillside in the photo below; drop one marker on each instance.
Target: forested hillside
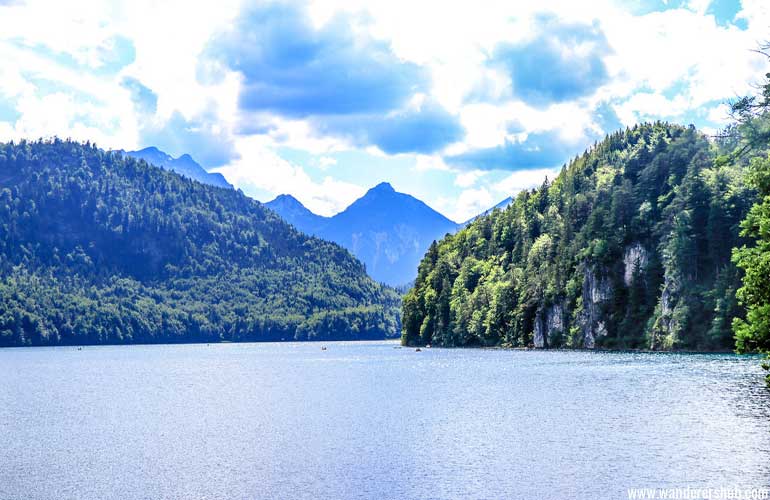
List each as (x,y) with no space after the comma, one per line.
(97,247)
(629,247)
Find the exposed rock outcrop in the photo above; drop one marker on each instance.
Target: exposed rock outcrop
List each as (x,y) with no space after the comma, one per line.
(635,257)
(549,324)
(596,290)
(666,327)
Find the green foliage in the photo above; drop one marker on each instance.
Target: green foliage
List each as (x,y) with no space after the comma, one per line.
(98,248)
(629,247)
(751,134)
(753,333)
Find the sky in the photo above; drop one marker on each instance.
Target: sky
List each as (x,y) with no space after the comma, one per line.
(460,104)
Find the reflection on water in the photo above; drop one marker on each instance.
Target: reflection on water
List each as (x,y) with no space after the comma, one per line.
(370,420)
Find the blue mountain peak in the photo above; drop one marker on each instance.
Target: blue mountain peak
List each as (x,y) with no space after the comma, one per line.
(383,187)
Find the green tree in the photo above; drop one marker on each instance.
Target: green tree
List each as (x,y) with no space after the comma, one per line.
(751,134)
(753,333)
(99,248)
(629,246)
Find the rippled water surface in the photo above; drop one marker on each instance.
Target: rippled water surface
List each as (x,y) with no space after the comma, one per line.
(371,420)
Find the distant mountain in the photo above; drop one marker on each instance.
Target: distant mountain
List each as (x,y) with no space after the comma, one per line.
(503,204)
(387,230)
(184,165)
(296,214)
(97,247)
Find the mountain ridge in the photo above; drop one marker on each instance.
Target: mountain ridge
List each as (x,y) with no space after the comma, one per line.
(184,165)
(386,229)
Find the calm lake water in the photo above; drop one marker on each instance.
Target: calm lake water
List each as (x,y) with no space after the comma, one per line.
(371,420)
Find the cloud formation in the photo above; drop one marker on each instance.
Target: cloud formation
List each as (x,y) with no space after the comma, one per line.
(425,129)
(297,70)
(563,61)
(144,99)
(199,137)
(265,174)
(346,83)
(544,149)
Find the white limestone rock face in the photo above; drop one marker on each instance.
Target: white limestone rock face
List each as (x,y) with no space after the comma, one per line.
(549,321)
(635,256)
(596,290)
(666,329)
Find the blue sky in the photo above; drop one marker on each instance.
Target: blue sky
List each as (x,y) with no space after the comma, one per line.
(458,103)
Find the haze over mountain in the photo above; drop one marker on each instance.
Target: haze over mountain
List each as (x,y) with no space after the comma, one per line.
(389,231)
(297,214)
(184,165)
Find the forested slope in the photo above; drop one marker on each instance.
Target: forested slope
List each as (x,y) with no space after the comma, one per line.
(97,247)
(629,247)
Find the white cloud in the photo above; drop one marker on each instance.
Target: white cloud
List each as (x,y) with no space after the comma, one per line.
(469,203)
(681,47)
(261,172)
(699,6)
(75,27)
(468,179)
(325,162)
(48,40)
(645,106)
(424,163)
(719,114)
(524,179)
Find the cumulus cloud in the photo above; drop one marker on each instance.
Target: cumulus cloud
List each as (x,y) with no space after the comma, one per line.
(525,179)
(144,99)
(472,202)
(200,136)
(263,174)
(296,70)
(545,149)
(112,55)
(426,129)
(325,162)
(719,114)
(468,179)
(343,81)
(563,61)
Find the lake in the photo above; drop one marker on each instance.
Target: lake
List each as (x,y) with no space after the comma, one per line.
(373,420)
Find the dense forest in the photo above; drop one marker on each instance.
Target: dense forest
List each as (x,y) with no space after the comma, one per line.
(752,123)
(628,247)
(97,247)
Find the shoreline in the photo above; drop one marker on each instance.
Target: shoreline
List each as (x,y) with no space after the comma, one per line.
(571,349)
(389,340)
